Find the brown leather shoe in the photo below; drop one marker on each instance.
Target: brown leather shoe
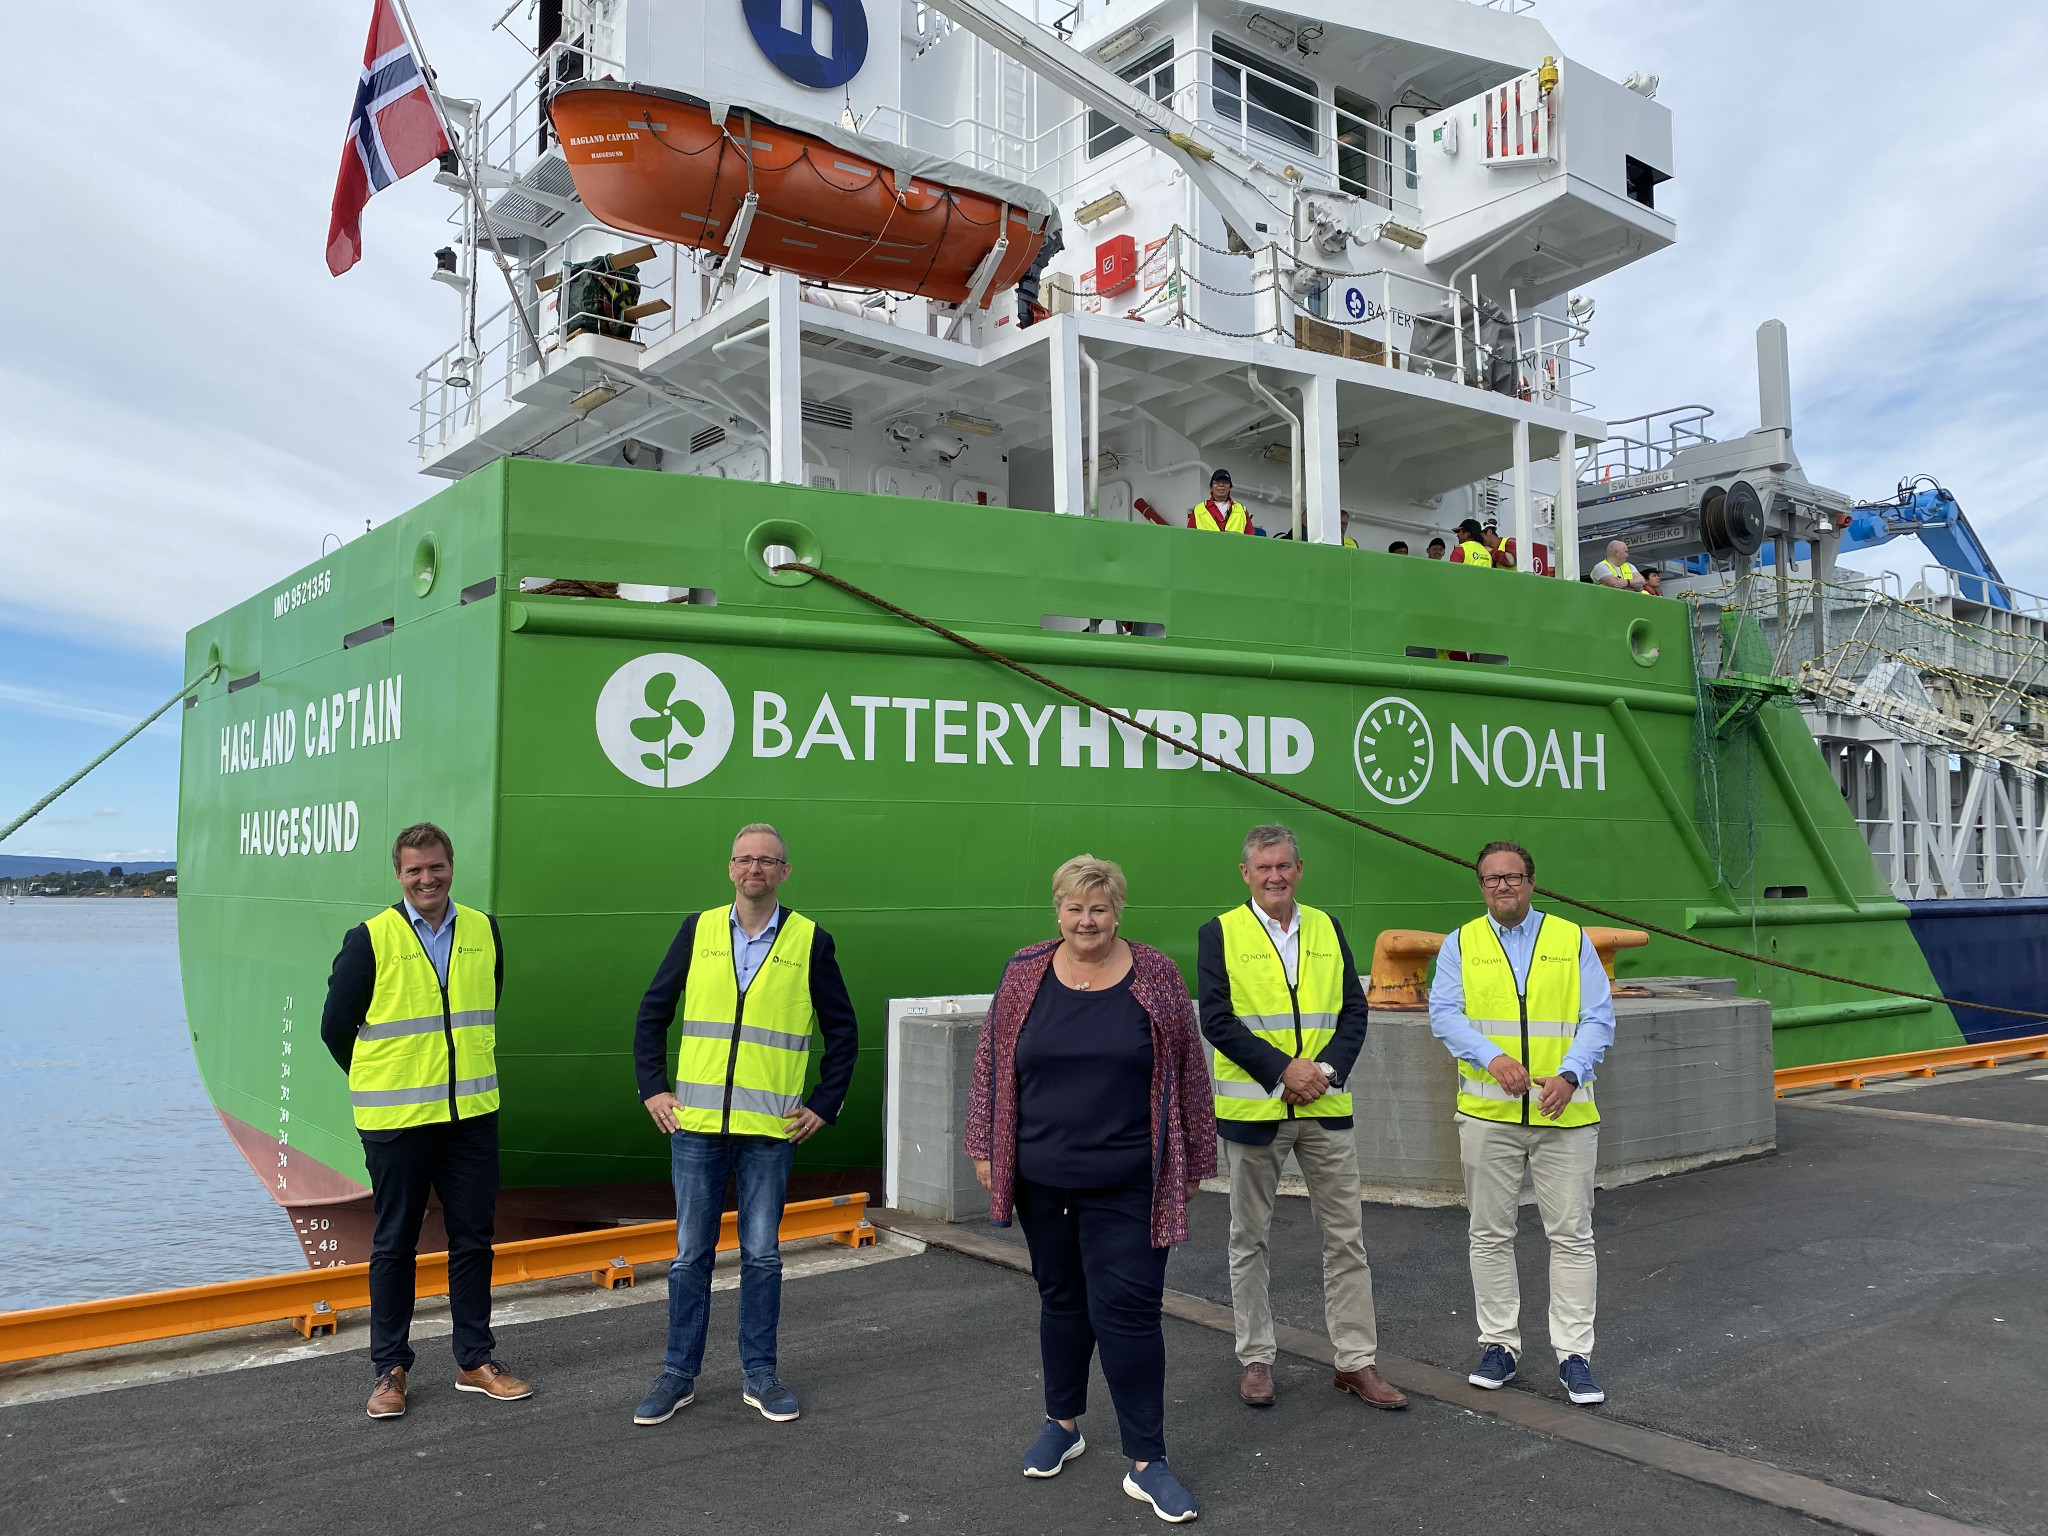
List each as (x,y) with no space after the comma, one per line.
(493,1380)
(1257,1386)
(1367,1384)
(388,1401)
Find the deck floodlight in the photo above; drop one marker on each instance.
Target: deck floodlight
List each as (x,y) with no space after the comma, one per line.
(1120,45)
(1101,208)
(603,392)
(1401,234)
(1272,31)
(954,422)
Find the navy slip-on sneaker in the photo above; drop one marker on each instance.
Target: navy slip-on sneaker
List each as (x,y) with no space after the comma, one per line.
(668,1393)
(1496,1368)
(767,1393)
(1053,1449)
(1157,1486)
(1579,1384)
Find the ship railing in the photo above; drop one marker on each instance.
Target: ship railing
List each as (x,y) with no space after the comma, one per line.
(1382,316)
(1939,581)
(515,132)
(459,388)
(1334,148)
(1642,445)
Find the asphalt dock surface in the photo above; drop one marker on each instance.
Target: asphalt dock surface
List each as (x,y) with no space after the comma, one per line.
(1865,1309)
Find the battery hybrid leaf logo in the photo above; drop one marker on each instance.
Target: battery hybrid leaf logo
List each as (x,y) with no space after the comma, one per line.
(1394,750)
(664,720)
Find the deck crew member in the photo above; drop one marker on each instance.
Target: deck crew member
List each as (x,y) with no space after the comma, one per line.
(1521,1001)
(1344,532)
(1503,552)
(1653,581)
(1615,571)
(1282,1006)
(1472,550)
(1398,547)
(1088,1120)
(1221,513)
(758,984)
(411,1017)
(1436,549)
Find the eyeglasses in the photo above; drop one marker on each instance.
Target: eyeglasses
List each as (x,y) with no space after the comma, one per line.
(1502,882)
(755,861)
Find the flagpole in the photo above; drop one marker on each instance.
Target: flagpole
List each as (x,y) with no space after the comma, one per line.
(483,213)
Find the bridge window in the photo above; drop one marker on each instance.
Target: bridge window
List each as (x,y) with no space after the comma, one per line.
(1256,93)
(1153,74)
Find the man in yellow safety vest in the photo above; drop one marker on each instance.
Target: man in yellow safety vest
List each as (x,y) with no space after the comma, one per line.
(1521,1001)
(411,1017)
(1615,571)
(758,984)
(1282,1006)
(1472,551)
(1221,513)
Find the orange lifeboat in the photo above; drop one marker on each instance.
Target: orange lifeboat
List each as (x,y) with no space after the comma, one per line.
(833,206)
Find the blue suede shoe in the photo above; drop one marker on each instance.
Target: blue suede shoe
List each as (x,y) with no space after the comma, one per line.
(767,1393)
(667,1394)
(1053,1449)
(1496,1368)
(1579,1384)
(1157,1486)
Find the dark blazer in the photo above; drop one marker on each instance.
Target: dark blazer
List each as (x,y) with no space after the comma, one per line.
(834,1007)
(1230,1035)
(1183,1110)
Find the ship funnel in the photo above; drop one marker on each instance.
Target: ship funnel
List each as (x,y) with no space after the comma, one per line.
(1773,378)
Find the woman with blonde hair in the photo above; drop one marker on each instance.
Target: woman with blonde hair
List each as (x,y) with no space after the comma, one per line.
(1090,1118)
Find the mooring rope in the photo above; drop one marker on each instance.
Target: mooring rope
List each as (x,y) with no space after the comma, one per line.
(1372,826)
(30,814)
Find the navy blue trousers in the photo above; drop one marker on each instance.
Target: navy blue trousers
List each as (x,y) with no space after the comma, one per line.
(1100,1285)
(459,1163)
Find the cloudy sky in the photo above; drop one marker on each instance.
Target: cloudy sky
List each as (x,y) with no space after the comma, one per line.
(191,404)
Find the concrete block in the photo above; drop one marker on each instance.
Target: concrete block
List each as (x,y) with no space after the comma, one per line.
(932,1042)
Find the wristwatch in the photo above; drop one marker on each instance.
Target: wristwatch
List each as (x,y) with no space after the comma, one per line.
(1572,1078)
(1329,1072)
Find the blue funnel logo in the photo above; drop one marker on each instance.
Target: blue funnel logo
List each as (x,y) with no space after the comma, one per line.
(819,43)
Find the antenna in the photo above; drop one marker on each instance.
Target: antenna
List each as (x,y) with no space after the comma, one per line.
(1773,378)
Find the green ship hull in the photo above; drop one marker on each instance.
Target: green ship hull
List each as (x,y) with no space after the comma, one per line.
(592,758)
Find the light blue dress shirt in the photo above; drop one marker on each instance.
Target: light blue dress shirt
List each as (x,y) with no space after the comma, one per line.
(750,951)
(1447,1019)
(439,943)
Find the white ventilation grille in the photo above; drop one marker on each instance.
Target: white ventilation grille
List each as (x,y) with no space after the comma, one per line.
(826,413)
(710,437)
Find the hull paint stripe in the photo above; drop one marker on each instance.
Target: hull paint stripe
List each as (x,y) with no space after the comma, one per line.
(546,618)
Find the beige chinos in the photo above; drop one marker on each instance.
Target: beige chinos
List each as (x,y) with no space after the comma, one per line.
(1561,1162)
(1329,1164)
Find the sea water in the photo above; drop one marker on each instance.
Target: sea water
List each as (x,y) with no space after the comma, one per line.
(116,1176)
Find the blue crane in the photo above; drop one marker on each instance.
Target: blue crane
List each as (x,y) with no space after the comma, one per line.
(1923,507)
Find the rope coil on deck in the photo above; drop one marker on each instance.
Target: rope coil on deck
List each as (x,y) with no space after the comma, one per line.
(1623,918)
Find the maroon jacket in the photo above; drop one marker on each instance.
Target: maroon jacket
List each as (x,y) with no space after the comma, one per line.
(1183,1110)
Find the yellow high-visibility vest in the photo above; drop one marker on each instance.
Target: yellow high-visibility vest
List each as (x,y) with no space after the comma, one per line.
(1298,1020)
(1236,520)
(1477,555)
(740,1067)
(427,1052)
(1534,1026)
(1624,572)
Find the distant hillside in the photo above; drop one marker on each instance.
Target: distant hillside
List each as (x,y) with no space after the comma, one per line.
(18,866)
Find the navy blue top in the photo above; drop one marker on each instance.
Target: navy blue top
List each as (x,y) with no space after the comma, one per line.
(1084,1088)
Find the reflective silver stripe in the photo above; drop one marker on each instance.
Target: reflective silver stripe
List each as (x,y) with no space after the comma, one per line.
(466,1086)
(757,1101)
(1319,1021)
(468,1018)
(1267,1021)
(397,1027)
(1511,1029)
(372,1098)
(1230,1090)
(1484,1087)
(753,1034)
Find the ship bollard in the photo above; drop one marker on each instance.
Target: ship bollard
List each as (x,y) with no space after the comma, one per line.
(1400,970)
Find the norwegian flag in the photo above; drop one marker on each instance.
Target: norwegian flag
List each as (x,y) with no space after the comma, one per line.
(393,131)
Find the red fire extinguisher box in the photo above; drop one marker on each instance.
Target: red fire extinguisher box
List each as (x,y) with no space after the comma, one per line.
(1116,265)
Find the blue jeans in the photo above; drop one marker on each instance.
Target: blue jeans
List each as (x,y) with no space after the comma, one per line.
(701,1166)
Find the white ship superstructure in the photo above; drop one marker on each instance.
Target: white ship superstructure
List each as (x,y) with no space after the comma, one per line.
(1334,252)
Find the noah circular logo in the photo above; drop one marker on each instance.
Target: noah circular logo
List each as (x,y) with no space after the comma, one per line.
(1394,750)
(664,720)
(825,48)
